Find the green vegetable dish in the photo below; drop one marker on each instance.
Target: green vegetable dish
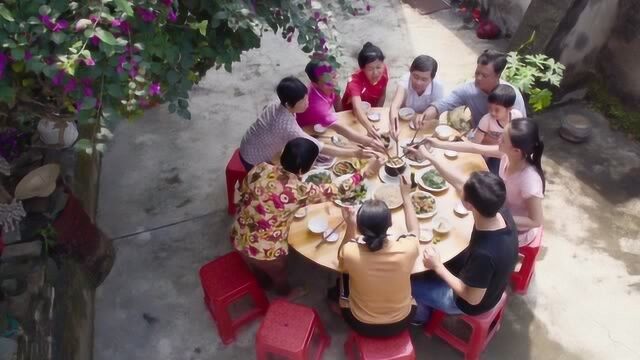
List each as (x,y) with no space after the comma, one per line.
(350,194)
(319,178)
(434,180)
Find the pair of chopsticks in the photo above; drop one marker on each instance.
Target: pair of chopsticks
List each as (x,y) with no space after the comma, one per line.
(324,238)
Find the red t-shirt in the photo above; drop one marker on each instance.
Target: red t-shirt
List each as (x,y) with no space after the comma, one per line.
(358,85)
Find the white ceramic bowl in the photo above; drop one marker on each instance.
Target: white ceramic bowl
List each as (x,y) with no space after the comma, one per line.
(318,224)
(460,209)
(406,114)
(374,116)
(319,128)
(451,154)
(441,225)
(444,132)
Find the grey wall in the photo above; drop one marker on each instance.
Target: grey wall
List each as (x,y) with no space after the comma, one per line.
(507,14)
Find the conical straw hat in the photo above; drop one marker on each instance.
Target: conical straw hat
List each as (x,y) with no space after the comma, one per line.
(40,182)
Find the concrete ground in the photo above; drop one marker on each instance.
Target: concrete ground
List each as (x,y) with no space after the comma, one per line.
(163,198)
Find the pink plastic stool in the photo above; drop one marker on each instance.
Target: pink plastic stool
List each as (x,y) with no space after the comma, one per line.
(521,279)
(235,173)
(224,281)
(483,327)
(398,347)
(289,331)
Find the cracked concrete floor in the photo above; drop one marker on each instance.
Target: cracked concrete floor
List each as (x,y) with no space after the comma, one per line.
(162,196)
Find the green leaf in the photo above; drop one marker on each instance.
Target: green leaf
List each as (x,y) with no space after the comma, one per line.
(17,53)
(58,37)
(44,10)
(172,77)
(88,103)
(124,6)
(172,108)
(7,92)
(540,99)
(183,104)
(115,90)
(184,113)
(106,36)
(5,13)
(84,145)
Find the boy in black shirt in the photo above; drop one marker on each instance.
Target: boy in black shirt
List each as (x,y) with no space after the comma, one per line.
(488,261)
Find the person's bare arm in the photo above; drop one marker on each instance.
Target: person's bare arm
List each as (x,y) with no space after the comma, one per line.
(357,137)
(337,102)
(449,173)
(382,99)
(467,146)
(410,218)
(396,103)
(535,219)
(431,114)
(361,116)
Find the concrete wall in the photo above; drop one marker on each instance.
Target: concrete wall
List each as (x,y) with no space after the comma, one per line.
(507,14)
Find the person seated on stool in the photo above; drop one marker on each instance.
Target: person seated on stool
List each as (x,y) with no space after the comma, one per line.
(487,263)
(375,291)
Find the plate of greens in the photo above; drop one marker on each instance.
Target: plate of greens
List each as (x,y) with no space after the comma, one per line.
(431,180)
(318,177)
(350,193)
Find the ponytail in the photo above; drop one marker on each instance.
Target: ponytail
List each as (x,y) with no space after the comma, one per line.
(536,160)
(374,242)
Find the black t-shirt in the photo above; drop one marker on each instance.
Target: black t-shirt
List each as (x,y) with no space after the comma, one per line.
(489,261)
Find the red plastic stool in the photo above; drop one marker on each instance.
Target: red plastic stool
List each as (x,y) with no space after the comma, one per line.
(398,347)
(521,279)
(289,331)
(483,327)
(235,173)
(224,281)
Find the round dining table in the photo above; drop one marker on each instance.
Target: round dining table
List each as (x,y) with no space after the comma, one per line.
(313,247)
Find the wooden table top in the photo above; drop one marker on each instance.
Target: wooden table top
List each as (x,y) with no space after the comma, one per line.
(307,243)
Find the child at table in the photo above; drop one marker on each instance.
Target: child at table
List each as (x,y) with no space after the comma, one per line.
(367,84)
(491,126)
(375,289)
(324,101)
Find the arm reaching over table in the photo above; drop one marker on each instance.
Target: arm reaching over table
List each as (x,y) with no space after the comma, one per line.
(466,146)
(452,175)
(410,218)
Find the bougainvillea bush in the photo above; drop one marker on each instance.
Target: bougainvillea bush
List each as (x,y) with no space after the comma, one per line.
(82,59)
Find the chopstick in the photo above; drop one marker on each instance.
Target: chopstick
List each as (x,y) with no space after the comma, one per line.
(324,238)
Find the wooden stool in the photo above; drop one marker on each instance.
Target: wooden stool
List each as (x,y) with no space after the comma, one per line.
(483,327)
(398,347)
(289,331)
(224,281)
(235,173)
(521,279)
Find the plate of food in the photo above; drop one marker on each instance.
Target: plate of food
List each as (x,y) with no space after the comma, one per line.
(339,140)
(318,177)
(390,194)
(349,193)
(424,204)
(344,167)
(414,160)
(324,161)
(431,180)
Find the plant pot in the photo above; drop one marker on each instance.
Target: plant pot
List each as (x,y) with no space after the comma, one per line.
(575,128)
(61,133)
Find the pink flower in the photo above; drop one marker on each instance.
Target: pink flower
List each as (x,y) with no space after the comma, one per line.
(121,25)
(263,224)
(147,15)
(172,16)
(154,89)
(95,41)
(260,209)
(89,61)
(276,202)
(53,25)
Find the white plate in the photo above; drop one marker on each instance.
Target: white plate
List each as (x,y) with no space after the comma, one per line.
(451,154)
(385,178)
(426,235)
(444,229)
(318,224)
(418,178)
(460,209)
(406,114)
(366,183)
(374,116)
(324,165)
(339,140)
(319,128)
(317,171)
(333,237)
(392,187)
(404,143)
(427,215)
(444,132)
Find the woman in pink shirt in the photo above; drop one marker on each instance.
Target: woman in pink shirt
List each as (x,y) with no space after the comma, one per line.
(520,152)
(324,102)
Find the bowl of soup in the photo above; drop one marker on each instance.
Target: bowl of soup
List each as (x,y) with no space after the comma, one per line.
(395,166)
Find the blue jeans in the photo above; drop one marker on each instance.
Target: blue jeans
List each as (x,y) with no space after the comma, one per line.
(432,293)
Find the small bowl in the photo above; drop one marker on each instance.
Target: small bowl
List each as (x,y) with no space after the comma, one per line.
(319,128)
(406,114)
(365,106)
(444,132)
(318,224)
(460,210)
(441,225)
(451,154)
(395,170)
(426,236)
(302,212)
(332,238)
(374,116)
(339,140)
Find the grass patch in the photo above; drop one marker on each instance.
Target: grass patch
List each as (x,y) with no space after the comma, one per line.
(620,116)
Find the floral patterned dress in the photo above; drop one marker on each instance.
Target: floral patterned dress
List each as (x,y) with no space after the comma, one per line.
(270,196)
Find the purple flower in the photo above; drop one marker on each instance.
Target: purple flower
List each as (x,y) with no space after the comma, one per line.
(94,18)
(122,59)
(4,60)
(95,41)
(27,55)
(70,86)
(172,16)
(167,2)
(53,25)
(89,61)
(87,91)
(58,78)
(154,89)
(147,15)
(121,25)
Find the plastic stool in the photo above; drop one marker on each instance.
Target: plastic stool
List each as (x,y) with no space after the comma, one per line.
(235,173)
(224,281)
(483,327)
(289,331)
(398,347)
(521,279)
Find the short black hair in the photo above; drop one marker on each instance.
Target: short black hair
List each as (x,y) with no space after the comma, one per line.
(486,192)
(496,58)
(425,63)
(368,54)
(503,95)
(299,155)
(290,90)
(314,69)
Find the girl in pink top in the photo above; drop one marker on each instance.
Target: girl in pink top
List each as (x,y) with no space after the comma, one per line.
(520,152)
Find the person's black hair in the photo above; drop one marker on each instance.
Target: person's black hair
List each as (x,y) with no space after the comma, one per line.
(495,58)
(525,136)
(368,54)
(290,90)
(486,192)
(374,219)
(313,68)
(299,155)
(425,63)
(503,95)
